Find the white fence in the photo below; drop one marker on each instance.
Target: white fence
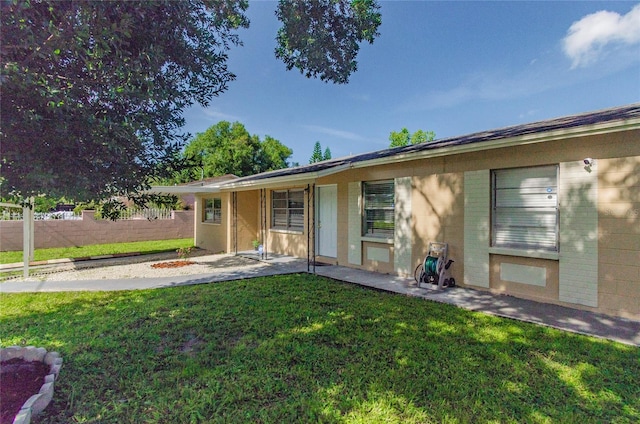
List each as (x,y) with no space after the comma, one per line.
(89,230)
(128,214)
(39,216)
(148,213)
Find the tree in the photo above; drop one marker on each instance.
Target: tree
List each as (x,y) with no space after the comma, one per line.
(421,136)
(227,148)
(93,92)
(316,156)
(275,154)
(327,154)
(404,138)
(322,37)
(400,138)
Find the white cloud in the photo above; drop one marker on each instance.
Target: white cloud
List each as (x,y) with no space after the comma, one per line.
(487,86)
(587,37)
(216,115)
(335,133)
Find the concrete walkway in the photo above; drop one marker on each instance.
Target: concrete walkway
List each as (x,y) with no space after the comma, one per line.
(563,318)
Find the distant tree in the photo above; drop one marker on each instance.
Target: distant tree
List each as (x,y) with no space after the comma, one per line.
(327,154)
(404,138)
(322,37)
(275,154)
(317,153)
(421,136)
(400,138)
(227,148)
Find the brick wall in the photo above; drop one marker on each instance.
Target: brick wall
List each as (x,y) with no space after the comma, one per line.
(60,233)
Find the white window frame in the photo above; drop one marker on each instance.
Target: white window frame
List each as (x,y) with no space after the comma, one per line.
(375,202)
(284,203)
(525,208)
(212,210)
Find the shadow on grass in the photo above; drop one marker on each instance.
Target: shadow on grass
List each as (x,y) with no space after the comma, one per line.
(300,348)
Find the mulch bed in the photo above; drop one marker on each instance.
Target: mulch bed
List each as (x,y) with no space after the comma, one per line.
(19,380)
(173,264)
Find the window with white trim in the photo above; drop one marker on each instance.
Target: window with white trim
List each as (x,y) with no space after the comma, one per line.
(287,210)
(379,215)
(525,208)
(212,212)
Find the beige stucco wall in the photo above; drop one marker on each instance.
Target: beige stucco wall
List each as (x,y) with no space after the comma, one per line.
(619,236)
(547,293)
(292,243)
(248,227)
(210,236)
(437,212)
(438,216)
(63,233)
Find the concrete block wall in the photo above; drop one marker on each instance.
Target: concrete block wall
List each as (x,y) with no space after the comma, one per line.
(619,237)
(61,233)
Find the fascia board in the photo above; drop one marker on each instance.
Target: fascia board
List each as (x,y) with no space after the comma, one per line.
(334,170)
(183,189)
(296,179)
(287,180)
(595,129)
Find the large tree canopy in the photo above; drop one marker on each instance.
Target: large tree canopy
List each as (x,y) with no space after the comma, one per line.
(227,148)
(93,92)
(322,37)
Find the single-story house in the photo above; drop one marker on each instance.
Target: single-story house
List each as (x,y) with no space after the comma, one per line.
(548,211)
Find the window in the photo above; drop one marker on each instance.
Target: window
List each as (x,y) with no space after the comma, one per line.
(287,210)
(525,208)
(379,214)
(213,211)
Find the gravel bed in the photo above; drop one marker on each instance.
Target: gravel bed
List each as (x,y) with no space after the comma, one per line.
(140,267)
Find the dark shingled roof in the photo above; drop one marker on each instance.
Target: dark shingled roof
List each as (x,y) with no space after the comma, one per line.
(211,180)
(608,115)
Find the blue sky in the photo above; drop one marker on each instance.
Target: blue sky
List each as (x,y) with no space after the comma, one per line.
(449,67)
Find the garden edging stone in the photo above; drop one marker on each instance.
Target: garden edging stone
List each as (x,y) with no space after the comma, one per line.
(38,401)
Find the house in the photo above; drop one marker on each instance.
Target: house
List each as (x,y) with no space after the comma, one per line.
(548,211)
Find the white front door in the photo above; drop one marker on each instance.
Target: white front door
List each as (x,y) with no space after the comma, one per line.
(327,221)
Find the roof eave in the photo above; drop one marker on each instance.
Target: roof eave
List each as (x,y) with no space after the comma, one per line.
(582,131)
(311,177)
(295,179)
(183,189)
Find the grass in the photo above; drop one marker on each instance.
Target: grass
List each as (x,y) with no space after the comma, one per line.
(302,348)
(99,249)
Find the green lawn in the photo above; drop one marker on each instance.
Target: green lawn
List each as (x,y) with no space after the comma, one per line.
(301,348)
(99,249)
